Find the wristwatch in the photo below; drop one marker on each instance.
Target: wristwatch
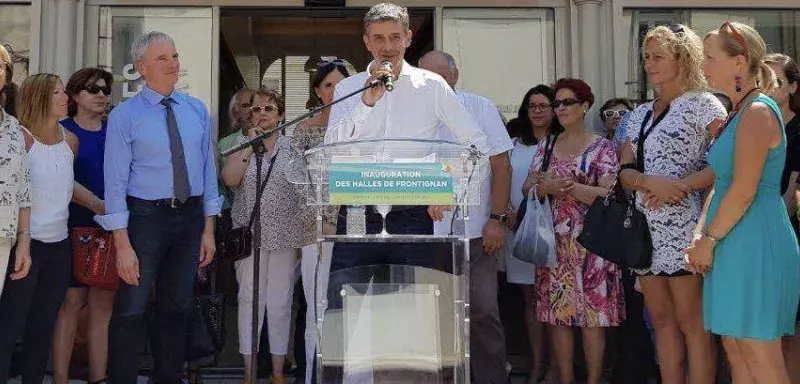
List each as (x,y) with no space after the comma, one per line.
(500,218)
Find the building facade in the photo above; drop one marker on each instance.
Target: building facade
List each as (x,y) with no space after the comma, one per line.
(503,46)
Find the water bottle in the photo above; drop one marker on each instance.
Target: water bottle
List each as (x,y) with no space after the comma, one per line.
(356,220)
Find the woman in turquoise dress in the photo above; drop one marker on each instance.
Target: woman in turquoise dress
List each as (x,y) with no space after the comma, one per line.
(745,247)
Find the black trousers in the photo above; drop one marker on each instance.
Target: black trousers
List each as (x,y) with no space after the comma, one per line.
(29,307)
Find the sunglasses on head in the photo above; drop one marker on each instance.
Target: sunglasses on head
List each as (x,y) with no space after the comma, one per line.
(566,103)
(266,108)
(610,114)
(676,28)
(734,33)
(95,89)
(336,62)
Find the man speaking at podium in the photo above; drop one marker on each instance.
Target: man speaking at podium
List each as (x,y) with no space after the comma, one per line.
(420,103)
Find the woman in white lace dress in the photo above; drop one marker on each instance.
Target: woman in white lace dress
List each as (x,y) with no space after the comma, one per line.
(674,130)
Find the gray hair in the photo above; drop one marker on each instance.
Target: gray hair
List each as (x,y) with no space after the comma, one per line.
(144,41)
(387,12)
(236,100)
(451,61)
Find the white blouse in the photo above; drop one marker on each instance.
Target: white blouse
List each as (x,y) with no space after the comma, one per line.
(675,148)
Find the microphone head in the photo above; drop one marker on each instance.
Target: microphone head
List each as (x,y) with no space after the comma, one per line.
(386,64)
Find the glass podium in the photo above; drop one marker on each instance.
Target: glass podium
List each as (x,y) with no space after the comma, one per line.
(390,323)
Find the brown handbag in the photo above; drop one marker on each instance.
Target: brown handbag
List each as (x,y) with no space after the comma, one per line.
(94,258)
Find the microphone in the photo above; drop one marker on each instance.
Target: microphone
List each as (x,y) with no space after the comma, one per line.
(388,80)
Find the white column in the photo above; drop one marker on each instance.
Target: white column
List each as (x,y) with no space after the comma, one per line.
(589,51)
(59,38)
(589,40)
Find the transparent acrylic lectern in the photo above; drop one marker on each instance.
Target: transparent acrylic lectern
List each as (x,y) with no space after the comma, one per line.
(393,323)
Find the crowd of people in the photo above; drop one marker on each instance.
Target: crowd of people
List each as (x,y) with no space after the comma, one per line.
(711,163)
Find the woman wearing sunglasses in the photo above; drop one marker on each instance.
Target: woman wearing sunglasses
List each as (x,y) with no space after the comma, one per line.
(583,290)
(745,245)
(612,112)
(286,231)
(88,90)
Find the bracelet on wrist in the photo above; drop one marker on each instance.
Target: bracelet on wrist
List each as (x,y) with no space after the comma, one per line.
(713,239)
(25,232)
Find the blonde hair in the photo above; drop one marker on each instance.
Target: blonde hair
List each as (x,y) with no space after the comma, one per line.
(687,47)
(741,39)
(36,96)
(5,57)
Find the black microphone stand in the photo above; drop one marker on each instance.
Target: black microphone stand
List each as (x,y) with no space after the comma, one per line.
(259,149)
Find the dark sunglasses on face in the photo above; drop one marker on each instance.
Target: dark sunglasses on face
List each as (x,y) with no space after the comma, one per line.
(610,114)
(566,103)
(95,89)
(266,108)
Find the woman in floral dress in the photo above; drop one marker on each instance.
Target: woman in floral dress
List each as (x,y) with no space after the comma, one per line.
(583,290)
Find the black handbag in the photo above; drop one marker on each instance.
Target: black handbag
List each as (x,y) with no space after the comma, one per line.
(205,331)
(614,229)
(548,154)
(239,242)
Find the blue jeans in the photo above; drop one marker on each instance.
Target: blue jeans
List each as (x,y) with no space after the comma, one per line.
(167,243)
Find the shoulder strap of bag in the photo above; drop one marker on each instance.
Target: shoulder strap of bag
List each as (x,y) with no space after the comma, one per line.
(644,134)
(264,184)
(549,145)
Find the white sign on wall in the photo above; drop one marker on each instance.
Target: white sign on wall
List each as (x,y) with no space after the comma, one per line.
(190,28)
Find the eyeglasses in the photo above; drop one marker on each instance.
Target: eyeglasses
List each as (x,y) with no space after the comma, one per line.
(266,108)
(336,62)
(540,107)
(736,36)
(566,103)
(611,113)
(95,89)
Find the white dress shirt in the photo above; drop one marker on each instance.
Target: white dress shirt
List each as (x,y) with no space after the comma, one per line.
(484,112)
(419,105)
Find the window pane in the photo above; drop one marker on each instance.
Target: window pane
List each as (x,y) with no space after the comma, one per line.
(779,28)
(520,42)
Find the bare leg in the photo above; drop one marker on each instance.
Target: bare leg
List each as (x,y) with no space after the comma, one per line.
(669,339)
(277,369)
(594,345)
(764,360)
(101,303)
(247,365)
(687,292)
(536,334)
(64,334)
(792,353)
(739,371)
(563,345)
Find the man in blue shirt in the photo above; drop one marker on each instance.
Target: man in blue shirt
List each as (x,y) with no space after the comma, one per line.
(160,198)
